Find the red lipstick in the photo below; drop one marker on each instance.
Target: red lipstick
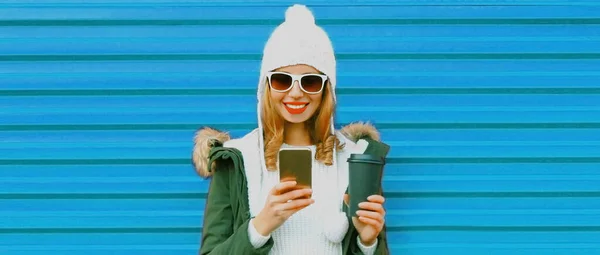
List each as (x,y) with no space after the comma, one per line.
(295,110)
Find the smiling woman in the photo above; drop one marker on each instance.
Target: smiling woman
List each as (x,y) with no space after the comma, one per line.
(296,92)
(249,209)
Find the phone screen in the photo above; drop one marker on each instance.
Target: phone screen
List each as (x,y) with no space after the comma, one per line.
(296,164)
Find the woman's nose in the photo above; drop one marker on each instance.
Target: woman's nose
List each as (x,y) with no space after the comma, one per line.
(296,91)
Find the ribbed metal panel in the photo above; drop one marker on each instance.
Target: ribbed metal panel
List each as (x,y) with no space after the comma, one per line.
(492,109)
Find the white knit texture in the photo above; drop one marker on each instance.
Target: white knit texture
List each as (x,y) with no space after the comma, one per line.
(256,239)
(303,233)
(367,250)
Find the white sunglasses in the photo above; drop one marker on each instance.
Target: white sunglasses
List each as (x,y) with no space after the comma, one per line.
(309,83)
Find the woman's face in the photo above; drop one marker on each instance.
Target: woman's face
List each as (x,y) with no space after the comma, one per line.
(295,105)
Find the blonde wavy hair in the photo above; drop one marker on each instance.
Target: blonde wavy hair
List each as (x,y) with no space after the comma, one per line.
(319,127)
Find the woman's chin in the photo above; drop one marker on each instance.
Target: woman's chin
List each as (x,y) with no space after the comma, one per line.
(295,118)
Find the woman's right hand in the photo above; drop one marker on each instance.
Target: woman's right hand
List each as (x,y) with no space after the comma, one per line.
(282,202)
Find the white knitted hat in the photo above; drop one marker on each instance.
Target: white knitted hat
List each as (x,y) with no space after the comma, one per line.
(298,40)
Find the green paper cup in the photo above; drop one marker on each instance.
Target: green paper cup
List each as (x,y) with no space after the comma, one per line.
(365,173)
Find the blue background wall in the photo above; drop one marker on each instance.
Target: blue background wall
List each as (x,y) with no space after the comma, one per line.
(492,109)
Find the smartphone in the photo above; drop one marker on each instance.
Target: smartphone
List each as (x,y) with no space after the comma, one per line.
(295,164)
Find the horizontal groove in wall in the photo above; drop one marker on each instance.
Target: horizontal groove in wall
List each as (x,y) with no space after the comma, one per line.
(499,228)
(197,196)
(97,230)
(314,3)
(548,160)
(390,228)
(115,214)
(274,22)
(195,126)
(493,194)
(191,196)
(340,91)
(341,56)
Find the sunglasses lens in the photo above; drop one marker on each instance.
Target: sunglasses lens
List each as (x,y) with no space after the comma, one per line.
(312,83)
(281,81)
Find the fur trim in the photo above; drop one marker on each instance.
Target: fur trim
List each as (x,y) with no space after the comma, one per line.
(357,130)
(207,137)
(204,140)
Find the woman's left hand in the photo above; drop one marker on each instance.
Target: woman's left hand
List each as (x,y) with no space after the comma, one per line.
(370,220)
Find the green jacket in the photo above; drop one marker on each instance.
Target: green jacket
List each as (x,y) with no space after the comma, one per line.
(227,215)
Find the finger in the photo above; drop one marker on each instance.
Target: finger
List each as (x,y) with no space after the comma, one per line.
(347,199)
(288,213)
(291,195)
(371,207)
(376,224)
(376,199)
(282,186)
(295,204)
(297,209)
(371,215)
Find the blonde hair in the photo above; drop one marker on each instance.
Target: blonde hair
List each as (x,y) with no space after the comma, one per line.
(319,127)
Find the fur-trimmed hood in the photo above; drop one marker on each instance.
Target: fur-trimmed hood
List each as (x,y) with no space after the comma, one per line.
(207,137)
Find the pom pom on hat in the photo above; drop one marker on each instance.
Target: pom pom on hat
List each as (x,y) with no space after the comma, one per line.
(298,14)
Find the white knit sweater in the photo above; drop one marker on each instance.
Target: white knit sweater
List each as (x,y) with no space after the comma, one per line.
(303,233)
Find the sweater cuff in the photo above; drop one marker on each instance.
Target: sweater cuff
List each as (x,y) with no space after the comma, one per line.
(367,250)
(256,239)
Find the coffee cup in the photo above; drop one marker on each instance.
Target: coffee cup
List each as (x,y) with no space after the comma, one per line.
(365,174)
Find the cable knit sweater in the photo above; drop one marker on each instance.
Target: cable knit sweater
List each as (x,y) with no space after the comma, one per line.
(303,232)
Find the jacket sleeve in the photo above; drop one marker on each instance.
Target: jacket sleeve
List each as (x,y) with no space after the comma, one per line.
(354,249)
(219,234)
(351,240)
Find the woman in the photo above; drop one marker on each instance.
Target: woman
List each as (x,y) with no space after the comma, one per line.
(248,210)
